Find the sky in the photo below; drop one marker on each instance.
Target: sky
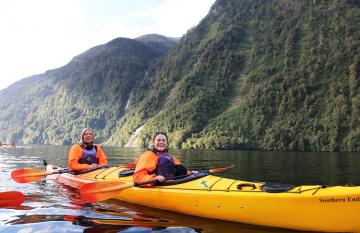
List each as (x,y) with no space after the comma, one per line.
(40,35)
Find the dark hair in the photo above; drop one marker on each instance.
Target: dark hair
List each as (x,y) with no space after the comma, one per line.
(158,133)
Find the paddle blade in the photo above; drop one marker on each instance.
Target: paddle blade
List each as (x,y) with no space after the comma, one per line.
(11,198)
(103,190)
(131,165)
(220,169)
(26,175)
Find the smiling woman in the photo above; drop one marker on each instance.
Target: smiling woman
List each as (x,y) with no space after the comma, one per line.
(86,155)
(157,163)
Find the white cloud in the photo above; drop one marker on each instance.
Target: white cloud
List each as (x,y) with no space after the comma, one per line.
(33,36)
(174,18)
(39,35)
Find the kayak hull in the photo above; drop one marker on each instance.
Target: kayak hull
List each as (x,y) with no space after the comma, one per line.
(311,207)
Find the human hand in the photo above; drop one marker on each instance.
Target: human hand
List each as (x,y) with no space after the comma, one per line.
(94,165)
(160,178)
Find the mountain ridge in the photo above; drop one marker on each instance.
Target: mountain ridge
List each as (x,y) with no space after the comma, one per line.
(264,75)
(283,65)
(51,108)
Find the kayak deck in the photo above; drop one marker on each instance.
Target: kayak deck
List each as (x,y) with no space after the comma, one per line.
(306,207)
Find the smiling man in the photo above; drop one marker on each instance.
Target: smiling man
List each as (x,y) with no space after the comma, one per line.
(86,155)
(157,163)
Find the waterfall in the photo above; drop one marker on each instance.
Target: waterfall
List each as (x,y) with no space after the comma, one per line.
(131,142)
(128,102)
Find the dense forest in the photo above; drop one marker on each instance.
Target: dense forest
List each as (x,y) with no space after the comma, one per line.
(266,75)
(271,75)
(91,91)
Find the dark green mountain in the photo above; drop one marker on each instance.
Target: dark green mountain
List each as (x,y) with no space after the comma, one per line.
(272,75)
(260,74)
(92,90)
(157,42)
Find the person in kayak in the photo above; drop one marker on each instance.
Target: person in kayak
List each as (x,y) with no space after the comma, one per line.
(86,155)
(156,163)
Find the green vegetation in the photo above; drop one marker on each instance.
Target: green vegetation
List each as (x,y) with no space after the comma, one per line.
(271,75)
(92,90)
(268,75)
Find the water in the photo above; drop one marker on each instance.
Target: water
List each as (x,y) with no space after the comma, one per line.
(53,207)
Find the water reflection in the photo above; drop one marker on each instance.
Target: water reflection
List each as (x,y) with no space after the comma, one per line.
(285,167)
(119,216)
(53,207)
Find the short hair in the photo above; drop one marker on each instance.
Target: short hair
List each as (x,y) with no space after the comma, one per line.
(158,133)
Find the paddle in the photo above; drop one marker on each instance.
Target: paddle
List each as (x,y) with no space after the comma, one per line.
(103,190)
(220,169)
(131,171)
(128,165)
(26,175)
(11,198)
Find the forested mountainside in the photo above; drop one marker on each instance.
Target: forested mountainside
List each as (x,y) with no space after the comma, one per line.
(91,90)
(260,74)
(270,75)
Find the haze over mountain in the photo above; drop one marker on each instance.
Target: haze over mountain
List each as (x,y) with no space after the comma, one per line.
(272,75)
(91,90)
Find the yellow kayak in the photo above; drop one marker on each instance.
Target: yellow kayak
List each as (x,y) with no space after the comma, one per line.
(305,207)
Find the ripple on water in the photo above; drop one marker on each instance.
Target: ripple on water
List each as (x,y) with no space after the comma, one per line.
(53,207)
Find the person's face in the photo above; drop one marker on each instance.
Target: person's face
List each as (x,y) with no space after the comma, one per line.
(88,137)
(160,142)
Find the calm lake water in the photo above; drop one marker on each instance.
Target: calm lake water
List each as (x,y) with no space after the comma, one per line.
(53,207)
